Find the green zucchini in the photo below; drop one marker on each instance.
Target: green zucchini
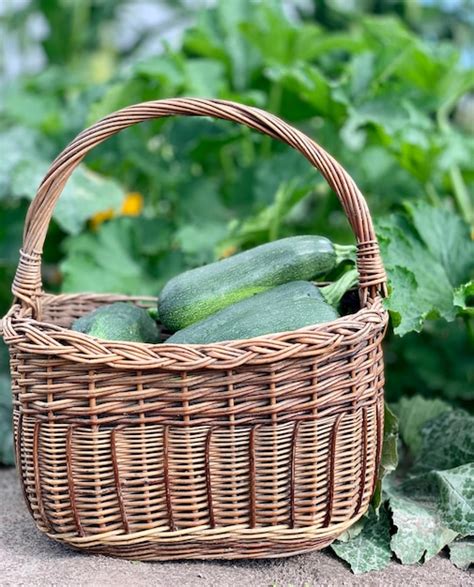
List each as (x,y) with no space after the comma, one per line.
(286,307)
(198,293)
(119,321)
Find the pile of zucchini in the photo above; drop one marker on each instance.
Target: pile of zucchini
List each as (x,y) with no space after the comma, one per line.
(263,290)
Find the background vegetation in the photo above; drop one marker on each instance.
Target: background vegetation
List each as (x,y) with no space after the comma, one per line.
(385,86)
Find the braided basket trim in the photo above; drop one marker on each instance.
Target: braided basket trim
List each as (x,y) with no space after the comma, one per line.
(44,338)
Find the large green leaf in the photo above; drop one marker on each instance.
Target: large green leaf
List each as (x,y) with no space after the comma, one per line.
(420,533)
(456,498)
(412,414)
(205,77)
(278,40)
(447,238)
(311,86)
(24,165)
(447,441)
(217,36)
(85,194)
(369,550)
(423,273)
(106,261)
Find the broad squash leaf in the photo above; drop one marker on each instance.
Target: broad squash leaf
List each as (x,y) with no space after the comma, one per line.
(412,414)
(369,550)
(456,498)
(107,261)
(85,194)
(447,442)
(420,533)
(423,272)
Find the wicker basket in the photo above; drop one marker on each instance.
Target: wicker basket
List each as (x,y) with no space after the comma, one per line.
(252,448)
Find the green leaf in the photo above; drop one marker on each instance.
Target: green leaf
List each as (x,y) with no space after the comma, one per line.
(201,241)
(370,549)
(461,553)
(205,78)
(420,530)
(218,36)
(412,414)
(36,110)
(167,68)
(106,261)
(280,41)
(436,502)
(447,238)
(384,112)
(7,456)
(285,168)
(389,459)
(85,194)
(311,86)
(456,498)
(447,441)
(19,145)
(423,273)
(353,530)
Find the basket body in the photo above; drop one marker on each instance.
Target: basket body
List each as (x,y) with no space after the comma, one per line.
(268,449)
(250,448)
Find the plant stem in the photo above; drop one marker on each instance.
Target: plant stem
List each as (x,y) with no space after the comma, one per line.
(81,12)
(334,292)
(345,253)
(461,194)
(280,197)
(460,191)
(432,194)
(469,323)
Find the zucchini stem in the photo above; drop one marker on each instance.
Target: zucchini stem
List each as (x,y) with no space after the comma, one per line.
(345,253)
(333,292)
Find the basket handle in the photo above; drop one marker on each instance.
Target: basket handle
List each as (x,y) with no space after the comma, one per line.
(27,285)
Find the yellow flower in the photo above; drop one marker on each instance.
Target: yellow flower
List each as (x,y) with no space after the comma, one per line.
(132,205)
(100,217)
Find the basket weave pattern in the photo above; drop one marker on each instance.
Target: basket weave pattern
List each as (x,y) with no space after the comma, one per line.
(250,448)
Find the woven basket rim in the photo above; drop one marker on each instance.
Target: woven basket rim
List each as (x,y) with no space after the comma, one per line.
(49,338)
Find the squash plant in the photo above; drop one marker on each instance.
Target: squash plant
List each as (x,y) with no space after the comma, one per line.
(165,196)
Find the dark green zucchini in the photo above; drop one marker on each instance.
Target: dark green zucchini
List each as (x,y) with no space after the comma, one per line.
(200,292)
(286,307)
